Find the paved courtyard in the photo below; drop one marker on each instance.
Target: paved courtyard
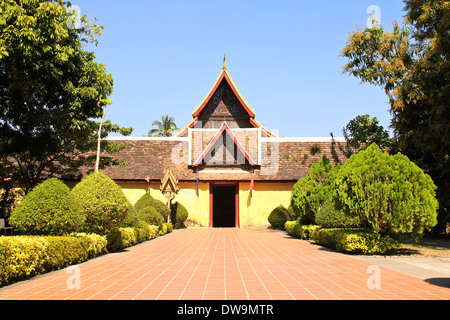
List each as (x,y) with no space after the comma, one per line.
(226,264)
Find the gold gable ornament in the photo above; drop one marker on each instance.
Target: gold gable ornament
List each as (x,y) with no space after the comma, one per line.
(169,188)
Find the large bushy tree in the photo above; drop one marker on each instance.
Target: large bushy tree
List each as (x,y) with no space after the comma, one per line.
(412,64)
(51,90)
(389,194)
(311,192)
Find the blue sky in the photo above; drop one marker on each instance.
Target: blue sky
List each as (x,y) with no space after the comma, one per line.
(282,55)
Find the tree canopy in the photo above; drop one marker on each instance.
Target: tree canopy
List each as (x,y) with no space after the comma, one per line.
(51,91)
(311,192)
(412,64)
(390,194)
(165,127)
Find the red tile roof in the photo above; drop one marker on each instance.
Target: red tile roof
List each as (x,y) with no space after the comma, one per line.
(283,159)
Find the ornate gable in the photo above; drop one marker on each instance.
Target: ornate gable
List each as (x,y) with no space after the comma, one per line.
(224,149)
(224,103)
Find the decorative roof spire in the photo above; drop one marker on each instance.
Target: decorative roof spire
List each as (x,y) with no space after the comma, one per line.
(224,62)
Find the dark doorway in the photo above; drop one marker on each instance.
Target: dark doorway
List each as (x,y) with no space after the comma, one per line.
(224,206)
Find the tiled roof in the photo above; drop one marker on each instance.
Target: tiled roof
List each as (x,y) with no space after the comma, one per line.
(283,159)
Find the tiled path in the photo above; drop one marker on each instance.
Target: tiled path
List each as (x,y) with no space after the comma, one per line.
(219,264)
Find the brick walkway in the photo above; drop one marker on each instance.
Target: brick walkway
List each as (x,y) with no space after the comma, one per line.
(219,264)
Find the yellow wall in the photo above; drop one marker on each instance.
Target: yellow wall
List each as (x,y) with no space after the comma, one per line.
(255,206)
(195,200)
(253,209)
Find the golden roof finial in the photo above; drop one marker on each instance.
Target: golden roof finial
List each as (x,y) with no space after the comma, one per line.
(224,62)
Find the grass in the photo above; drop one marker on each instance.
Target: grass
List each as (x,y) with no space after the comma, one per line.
(428,247)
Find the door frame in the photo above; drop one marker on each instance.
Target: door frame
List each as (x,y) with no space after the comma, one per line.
(236,200)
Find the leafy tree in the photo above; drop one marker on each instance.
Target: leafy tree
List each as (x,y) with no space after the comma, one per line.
(51,91)
(412,64)
(49,209)
(166,127)
(359,133)
(311,192)
(389,194)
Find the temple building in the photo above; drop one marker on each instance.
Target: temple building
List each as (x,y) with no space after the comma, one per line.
(229,170)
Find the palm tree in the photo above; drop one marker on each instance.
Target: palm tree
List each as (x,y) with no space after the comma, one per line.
(166,127)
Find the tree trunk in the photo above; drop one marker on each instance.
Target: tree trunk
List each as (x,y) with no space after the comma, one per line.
(97,160)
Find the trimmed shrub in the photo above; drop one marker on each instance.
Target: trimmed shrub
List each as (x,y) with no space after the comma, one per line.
(298,230)
(22,257)
(49,209)
(103,201)
(169,226)
(151,216)
(278,217)
(127,237)
(330,217)
(143,201)
(178,215)
(355,241)
(147,200)
(390,194)
(96,244)
(163,210)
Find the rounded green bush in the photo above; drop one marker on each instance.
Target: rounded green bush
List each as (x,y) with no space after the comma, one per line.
(278,217)
(103,201)
(151,216)
(49,209)
(148,200)
(178,215)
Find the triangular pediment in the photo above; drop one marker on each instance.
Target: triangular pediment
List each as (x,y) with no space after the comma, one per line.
(224,89)
(224,149)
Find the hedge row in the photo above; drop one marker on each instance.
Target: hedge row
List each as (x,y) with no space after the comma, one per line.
(22,257)
(130,236)
(355,241)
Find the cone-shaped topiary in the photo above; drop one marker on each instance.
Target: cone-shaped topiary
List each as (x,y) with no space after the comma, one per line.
(49,209)
(151,216)
(147,200)
(143,201)
(103,201)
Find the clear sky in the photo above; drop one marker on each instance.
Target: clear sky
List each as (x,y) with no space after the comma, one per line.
(282,55)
